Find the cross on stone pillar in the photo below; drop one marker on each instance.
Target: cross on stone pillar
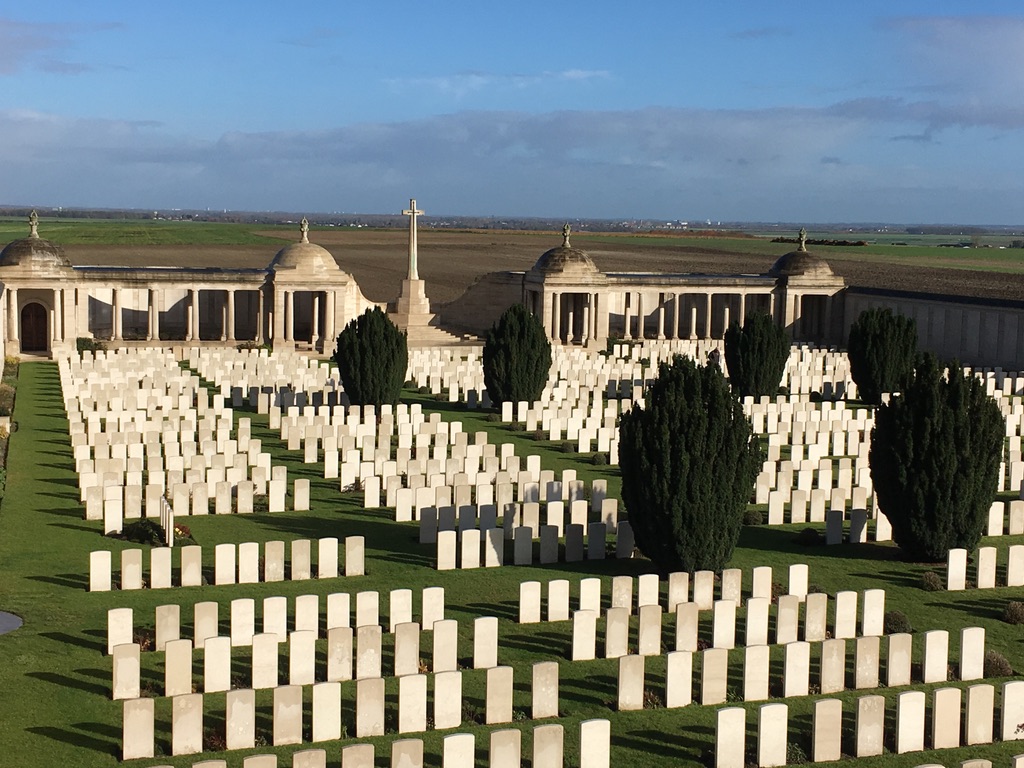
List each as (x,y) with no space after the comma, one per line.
(412,213)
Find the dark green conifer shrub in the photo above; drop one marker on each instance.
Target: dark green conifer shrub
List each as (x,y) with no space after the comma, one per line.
(882,348)
(517,357)
(372,356)
(935,453)
(756,355)
(688,460)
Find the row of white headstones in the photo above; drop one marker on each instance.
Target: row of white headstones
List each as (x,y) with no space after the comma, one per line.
(634,676)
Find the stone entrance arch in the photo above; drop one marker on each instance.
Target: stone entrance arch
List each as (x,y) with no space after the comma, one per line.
(34,328)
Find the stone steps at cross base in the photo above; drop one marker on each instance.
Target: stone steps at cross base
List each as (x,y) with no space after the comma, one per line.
(421,332)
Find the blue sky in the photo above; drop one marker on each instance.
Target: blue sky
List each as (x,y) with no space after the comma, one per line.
(824,112)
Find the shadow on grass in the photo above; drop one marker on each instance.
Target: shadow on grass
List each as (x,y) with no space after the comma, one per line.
(784,539)
(685,749)
(83,736)
(100,646)
(72,580)
(65,681)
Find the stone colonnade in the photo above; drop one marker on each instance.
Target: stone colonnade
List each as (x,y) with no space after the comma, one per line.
(108,310)
(581,314)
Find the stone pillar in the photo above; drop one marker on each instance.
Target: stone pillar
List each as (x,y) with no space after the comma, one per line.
(229,332)
(289,316)
(743,309)
(149,314)
(661,316)
(640,315)
(771,306)
(627,302)
(586,331)
(556,328)
(789,311)
(676,301)
(14,316)
(191,315)
(570,318)
(115,315)
(707,317)
(260,315)
(330,334)
(693,322)
(58,315)
(53,320)
(70,314)
(314,334)
(546,313)
(279,313)
(725,319)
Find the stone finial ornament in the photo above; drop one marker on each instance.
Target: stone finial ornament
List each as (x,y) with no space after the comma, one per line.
(304,229)
(803,240)
(33,224)
(565,235)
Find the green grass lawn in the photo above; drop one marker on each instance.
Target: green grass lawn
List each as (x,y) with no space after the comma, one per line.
(141,232)
(55,705)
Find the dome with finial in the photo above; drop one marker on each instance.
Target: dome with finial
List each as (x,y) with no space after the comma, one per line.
(305,256)
(801,263)
(33,253)
(565,260)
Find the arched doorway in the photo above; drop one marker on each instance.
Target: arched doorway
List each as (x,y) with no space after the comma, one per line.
(34,328)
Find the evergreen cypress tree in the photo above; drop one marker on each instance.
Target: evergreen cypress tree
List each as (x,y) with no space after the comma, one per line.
(756,355)
(517,357)
(688,460)
(882,348)
(372,357)
(935,453)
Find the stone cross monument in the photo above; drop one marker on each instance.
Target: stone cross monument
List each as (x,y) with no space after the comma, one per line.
(412,213)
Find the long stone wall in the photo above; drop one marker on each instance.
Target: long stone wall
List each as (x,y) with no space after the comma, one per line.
(978,332)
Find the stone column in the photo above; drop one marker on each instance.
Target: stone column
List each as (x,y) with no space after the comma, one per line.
(640,315)
(289,316)
(661,316)
(693,322)
(115,315)
(149,315)
(156,305)
(314,334)
(556,330)
(545,312)
(278,318)
(53,320)
(190,316)
(58,315)
(707,316)
(743,309)
(230,330)
(771,306)
(12,314)
(260,312)
(330,334)
(725,319)
(676,302)
(627,305)
(570,318)
(70,328)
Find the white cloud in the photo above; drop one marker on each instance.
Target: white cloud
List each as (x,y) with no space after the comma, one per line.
(25,45)
(974,60)
(462,84)
(740,164)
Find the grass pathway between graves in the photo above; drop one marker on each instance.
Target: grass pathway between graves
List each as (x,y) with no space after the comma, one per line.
(55,702)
